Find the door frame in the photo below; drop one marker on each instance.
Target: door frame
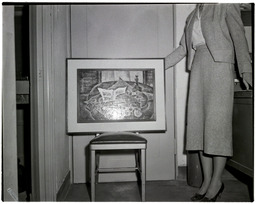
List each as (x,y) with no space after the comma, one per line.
(9,139)
(42,118)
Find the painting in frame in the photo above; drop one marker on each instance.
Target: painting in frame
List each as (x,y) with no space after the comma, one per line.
(106,95)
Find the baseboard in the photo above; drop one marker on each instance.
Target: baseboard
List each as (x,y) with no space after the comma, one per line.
(182,173)
(61,195)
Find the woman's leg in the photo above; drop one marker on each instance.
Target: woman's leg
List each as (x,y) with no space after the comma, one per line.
(216,182)
(206,162)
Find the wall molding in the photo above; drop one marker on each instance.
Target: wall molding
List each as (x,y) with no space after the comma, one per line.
(42,110)
(63,191)
(182,173)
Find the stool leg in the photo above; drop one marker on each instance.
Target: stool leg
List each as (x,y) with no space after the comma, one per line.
(92,175)
(97,160)
(137,159)
(143,174)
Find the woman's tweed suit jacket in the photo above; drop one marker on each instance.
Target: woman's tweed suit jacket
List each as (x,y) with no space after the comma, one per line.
(223,31)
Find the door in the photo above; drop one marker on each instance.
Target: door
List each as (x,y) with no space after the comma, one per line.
(9,167)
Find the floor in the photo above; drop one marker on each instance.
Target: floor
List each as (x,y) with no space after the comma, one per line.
(237,189)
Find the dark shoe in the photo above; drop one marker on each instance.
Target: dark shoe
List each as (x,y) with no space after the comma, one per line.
(218,195)
(197,197)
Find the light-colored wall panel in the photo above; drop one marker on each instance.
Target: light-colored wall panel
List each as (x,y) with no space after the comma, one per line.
(122,31)
(127,31)
(181,83)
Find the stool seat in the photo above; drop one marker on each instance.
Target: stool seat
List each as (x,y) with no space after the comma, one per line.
(118,138)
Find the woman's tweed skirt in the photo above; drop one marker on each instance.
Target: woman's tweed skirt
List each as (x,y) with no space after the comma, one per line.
(210,105)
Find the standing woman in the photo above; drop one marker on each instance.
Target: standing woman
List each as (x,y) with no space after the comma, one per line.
(213,39)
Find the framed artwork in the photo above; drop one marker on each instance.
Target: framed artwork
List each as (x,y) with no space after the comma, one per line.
(115,95)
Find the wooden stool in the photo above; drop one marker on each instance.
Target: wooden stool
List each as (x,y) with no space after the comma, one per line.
(119,141)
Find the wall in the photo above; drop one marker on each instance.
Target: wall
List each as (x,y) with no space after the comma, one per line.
(61,50)
(129,31)
(181,83)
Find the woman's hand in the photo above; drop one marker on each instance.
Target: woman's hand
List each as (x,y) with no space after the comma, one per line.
(247,79)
